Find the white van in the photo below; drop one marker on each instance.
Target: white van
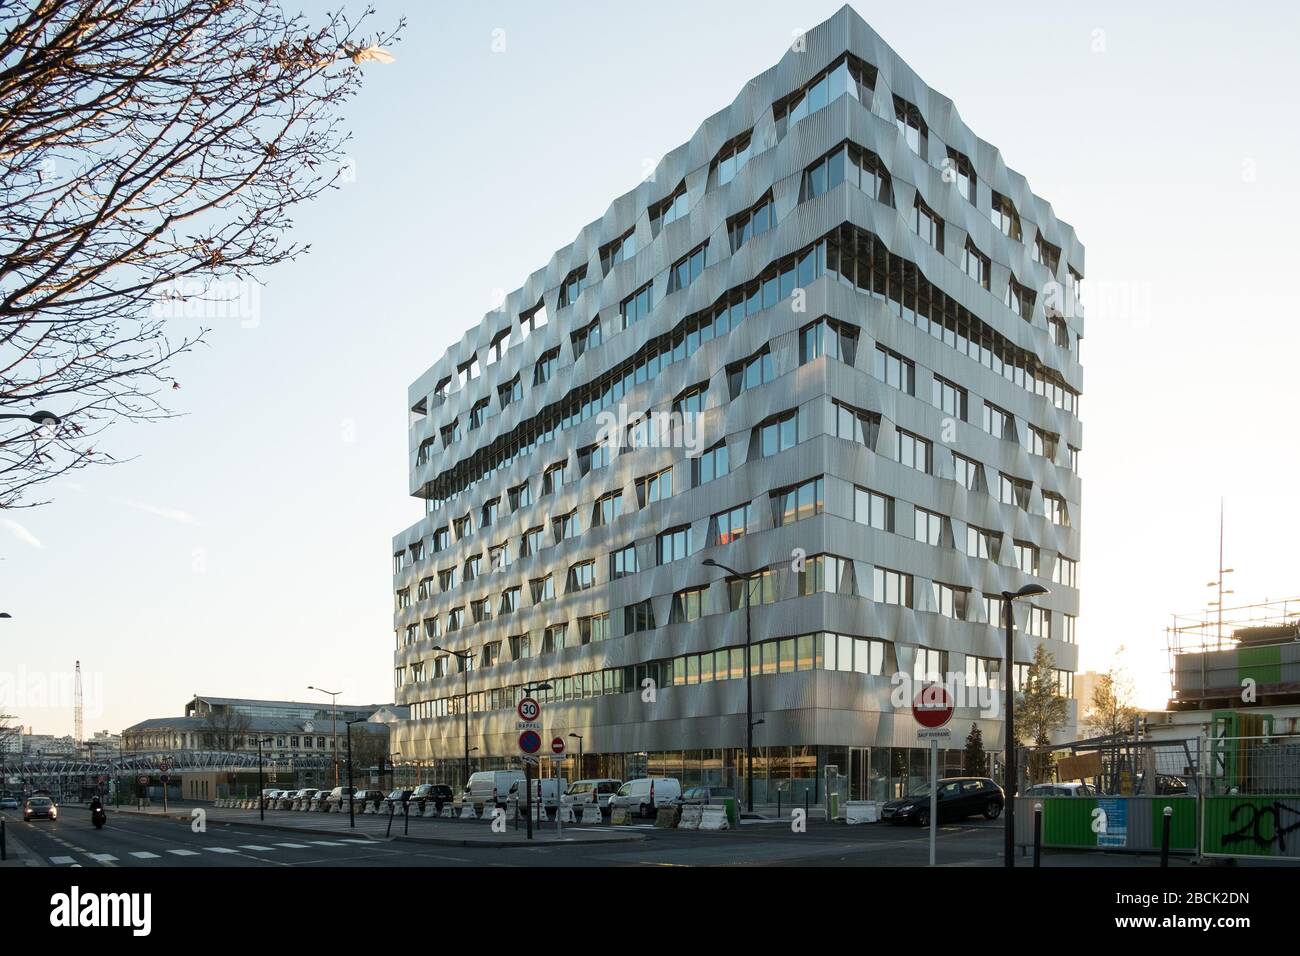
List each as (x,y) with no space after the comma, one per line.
(636,794)
(481,784)
(546,792)
(603,788)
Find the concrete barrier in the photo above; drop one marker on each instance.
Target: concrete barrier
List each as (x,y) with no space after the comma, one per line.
(861,811)
(666,818)
(467,811)
(566,813)
(714,818)
(619,815)
(690,819)
(447,812)
(369,808)
(430,810)
(591,814)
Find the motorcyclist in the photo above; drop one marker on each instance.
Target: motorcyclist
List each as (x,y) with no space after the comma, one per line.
(97,808)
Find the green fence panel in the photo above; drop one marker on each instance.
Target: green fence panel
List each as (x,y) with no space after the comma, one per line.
(1256,825)
(1182,828)
(1067,821)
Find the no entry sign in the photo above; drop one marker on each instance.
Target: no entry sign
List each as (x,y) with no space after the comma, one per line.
(557,745)
(932,707)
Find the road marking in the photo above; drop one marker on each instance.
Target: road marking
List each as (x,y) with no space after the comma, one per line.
(62,860)
(103,857)
(182,852)
(326,843)
(293,846)
(352,840)
(254,846)
(220,849)
(145,855)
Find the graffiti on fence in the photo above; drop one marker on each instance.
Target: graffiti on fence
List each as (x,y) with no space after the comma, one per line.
(1257,826)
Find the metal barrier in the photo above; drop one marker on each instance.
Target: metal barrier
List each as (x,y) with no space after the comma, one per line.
(1250,797)
(1108,823)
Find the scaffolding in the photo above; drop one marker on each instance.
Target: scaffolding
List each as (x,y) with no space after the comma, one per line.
(1196,642)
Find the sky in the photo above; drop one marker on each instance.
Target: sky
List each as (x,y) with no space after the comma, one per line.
(244,549)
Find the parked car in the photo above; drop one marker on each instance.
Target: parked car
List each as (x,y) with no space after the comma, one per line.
(959,798)
(706,794)
(398,796)
(40,808)
(285,799)
(1060,790)
(340,796)
(8,803)
(306,793)
(604,788)
(439,793)
(318,799)
(363,796)
(478,790)
(646,795)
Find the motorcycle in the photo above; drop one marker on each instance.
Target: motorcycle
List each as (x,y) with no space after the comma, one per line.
(98,817)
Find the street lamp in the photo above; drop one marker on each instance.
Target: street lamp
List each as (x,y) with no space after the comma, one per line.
(352,804)
(749,686)
(1009,836)
(334,722)
(39,418)
(579,739)
(464,657)
(261,801)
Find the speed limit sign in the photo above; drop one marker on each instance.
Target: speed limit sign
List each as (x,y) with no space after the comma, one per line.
(529,710)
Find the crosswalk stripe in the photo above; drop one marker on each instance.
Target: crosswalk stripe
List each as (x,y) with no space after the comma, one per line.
(220,849)
(293,846)
(62,860)
(103,857)
(353,840)
(325,843)
(145,855)
(254,846)
(182,852)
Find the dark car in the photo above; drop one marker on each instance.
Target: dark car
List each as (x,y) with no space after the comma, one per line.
(959,798)
(40,808)
(705,795)
(438,793)
(398,797)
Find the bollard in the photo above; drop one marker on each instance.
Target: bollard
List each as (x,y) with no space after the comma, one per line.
(391,808)
(778,803)
(4,850)
(406,818)
(1164,837)
(805,803)
(1038,834)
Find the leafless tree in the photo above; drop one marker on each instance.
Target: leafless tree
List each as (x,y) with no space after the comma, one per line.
(151,153)
(225,729)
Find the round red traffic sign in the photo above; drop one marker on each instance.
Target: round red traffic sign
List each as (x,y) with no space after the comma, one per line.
(932,707)
(529,709)
(557,745)
(530,742)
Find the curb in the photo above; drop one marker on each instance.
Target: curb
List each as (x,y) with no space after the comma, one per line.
(19,854)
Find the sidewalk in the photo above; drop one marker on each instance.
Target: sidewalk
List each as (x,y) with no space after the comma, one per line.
(17,854)
(435,831)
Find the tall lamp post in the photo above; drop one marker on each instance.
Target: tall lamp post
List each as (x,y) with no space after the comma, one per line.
(334,722)
(749,686)
(1009,760)
(579,739)
(352,804)
(464,657)
(261,800)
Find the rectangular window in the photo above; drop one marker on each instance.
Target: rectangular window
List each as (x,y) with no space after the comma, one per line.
(967,472)
(509,601)
(621,249)
(608,507)
(688,268)
(688,606)
(655,487)
(999,422)
(891,587)
(1026,557)
(927,224)
(962,172)
(930,665)
(981,543)
(546,366)
(830,338)
(950,601)
(910,123)
(873,509)
(587,337)
(949,397)
(913,451)
(674,544)
(1054,508)
(543,589)
(754,221)
(729,525)
(1014,491)
(1004,216)
(778,434)
(531,542)
(638,617)
(895,371)
(975,264)
(856,425)
(1066,571)
(593,629)
(731,159)
(573,284)
(581,576)
(798,502)
(711,464)
(623,562)
(931,527)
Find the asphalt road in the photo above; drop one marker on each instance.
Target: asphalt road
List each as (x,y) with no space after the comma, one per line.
(141,841)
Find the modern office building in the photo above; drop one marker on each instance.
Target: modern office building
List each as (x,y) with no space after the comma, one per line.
(833,345)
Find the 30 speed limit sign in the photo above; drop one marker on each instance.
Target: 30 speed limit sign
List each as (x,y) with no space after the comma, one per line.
(529,709)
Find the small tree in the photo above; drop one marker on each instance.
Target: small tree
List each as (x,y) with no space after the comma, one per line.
(225,728)
(974,763)
(1040,710)
(1111,712)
